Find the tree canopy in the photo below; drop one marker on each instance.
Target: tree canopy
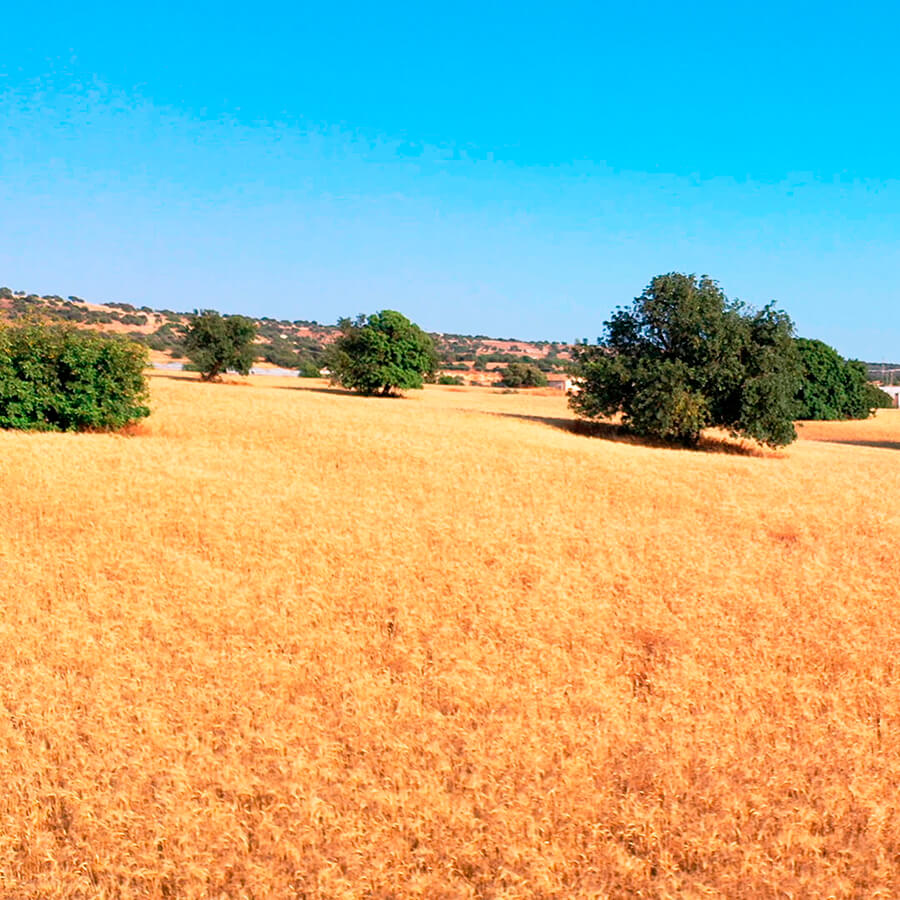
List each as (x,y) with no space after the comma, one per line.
(833,387)
(381,353)
(523,374)
(684,357)
(215,343)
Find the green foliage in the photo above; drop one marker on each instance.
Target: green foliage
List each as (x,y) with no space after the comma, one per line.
(684,357)
(216,343)
(833,387)
(167,337)
(279,352)
(381,353)
(523,375)
(450,379)
(54,378)
(308,369)
(877,398)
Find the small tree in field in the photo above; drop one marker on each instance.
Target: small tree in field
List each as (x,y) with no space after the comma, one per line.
(380,354)
(523,375)
(215,343)
(684,357)
(55,378)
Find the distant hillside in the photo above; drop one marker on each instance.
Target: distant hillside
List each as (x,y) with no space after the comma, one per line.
(474,359)
(885,373)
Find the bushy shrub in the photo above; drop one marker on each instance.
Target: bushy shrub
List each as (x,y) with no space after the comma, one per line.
(523,375)
(834,387)
(54,378)
(450,379)
(308,369)
(876,398)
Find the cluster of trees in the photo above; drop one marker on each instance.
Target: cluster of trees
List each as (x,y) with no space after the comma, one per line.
(681,358)
(377,354)
(684,357)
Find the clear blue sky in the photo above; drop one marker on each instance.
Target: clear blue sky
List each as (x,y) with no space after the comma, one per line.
(510,169)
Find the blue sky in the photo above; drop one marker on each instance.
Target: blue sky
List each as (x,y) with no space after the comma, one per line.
(507,169)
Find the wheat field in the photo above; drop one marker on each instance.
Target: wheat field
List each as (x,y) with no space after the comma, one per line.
(287,642)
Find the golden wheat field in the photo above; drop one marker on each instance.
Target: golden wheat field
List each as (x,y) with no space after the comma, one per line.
(288,642)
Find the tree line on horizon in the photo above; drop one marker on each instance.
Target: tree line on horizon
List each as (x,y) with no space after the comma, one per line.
(681,358)
(281,342)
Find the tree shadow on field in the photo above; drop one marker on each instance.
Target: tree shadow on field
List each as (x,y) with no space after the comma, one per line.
(180,378)
(608,431)
(334,391)
(233,381)
(878,445)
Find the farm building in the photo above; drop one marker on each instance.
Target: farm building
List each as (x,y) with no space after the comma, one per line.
(560,382)
(893,391)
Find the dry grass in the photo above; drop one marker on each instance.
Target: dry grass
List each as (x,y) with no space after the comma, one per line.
(295,643)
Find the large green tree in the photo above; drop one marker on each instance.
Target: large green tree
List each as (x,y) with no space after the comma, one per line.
(833,387)
(381,353)
(684,357)
(215,343)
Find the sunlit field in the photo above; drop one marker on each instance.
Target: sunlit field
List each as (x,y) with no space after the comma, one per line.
(288,642)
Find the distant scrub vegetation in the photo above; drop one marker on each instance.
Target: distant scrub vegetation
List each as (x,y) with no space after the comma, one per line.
(54,378)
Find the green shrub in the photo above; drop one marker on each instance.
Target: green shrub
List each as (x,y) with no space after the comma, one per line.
(55,378)
(876,398)
(522,374)
(279,352)
(450,379)
(834,387)
(308,369)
